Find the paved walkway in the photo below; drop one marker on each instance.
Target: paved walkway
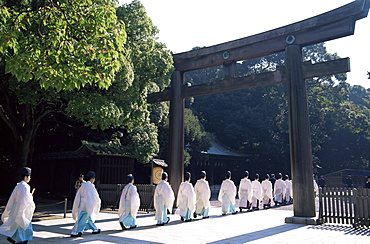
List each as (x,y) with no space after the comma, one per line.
(263,226)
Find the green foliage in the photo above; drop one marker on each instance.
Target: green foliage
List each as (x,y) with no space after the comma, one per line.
(255,121)
(78,50)
(62,44)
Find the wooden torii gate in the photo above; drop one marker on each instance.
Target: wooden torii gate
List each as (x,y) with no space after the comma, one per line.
(331,25)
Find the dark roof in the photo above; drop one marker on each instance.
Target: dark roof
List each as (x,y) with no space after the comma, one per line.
(85,151)
(221,150)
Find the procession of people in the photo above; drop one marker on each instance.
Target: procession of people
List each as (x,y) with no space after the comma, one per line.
(192,201)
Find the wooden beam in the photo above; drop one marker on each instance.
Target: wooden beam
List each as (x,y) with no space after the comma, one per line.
(328,26)
(269,78)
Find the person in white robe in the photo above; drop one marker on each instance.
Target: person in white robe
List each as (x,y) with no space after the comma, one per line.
(129,204)
(17,215)
(203,194)
(266,192)
(279,190)
(227,195)
(256,192)
(86,207)
(245,192)
(186,199)
(315,187)
(289,190)
(163,200)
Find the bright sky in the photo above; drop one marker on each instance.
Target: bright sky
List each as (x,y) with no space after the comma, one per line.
(184,24)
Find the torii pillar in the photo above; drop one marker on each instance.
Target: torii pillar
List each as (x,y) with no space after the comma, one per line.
(299,135)
(176,127)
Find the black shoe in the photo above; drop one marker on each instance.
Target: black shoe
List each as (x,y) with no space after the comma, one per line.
(187,220)
(79,234)
(195,215)
(168,220)
(96,232)
(10,240)
(235,212)
(240,210)
(159,224)
(182,218)
(133,227)
(224,214)
(122,226)
(205,217)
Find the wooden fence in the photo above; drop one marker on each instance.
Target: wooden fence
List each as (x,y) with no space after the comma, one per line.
(110,195)
(344,206)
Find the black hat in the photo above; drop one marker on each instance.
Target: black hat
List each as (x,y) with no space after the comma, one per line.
(257,176)
(280,175)
(26,171)
(129,178)
(187,176)
(203,174)
(267,176)
(246,173)
(90,174)
(164,175)
(228,174)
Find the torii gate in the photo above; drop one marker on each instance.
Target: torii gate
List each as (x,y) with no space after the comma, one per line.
(331,25)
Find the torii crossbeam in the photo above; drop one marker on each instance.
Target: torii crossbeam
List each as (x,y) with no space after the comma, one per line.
(331,25)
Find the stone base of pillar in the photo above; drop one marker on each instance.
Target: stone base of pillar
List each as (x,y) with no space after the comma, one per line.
(303,220)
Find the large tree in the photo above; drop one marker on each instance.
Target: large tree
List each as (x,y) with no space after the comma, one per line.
(77,65)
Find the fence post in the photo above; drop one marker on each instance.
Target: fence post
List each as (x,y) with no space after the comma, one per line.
(355,210)
(320,220)
(65,208)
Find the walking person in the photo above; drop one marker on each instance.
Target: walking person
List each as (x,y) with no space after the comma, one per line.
(245,193)
(279,190)
(186,199)
(79,182)
(227,195)
(257,192)
(273,180)
(367,183)
(86,207)
(266,192)
(17,215)
(288,198)
(163,200)
(321,181)
(129,204)
(203,194)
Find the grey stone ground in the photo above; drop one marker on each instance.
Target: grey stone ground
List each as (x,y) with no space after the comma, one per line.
(263,226)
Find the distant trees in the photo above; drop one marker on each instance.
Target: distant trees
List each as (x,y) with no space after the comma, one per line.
(254,121)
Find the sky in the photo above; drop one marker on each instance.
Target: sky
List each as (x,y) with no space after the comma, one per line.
(184,24)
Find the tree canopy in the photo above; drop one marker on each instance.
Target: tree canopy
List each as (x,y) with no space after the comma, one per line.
(254,121)
(63,77)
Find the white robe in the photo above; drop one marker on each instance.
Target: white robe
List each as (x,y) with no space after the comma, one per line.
(245,192)
(87,199)
(289,190)
(266,191)
(279,190)
(18,211)
(186,198)
(163,196)
(315,188)
(130,194)
(227,194)
(257,191)
(203,194)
